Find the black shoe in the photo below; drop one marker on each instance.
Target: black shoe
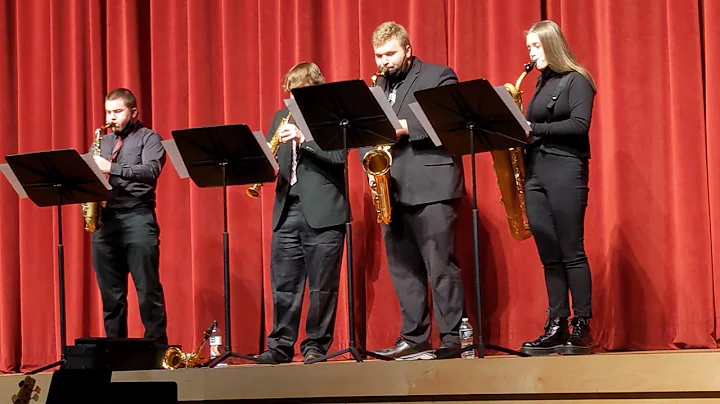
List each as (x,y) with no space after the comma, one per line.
(580,341)
(312,355)
(448,350)
(272,357)
(403,348)
(553,339)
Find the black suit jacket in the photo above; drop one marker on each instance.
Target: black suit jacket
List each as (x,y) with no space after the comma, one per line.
(321,181)
(422,172)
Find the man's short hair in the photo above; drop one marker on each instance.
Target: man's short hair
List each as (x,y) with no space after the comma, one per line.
(390,30)
(123,94)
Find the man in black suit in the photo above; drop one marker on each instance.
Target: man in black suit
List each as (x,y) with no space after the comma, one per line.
(308,233)
(426,182)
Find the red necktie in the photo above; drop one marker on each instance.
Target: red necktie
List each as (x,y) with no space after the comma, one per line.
(116,149)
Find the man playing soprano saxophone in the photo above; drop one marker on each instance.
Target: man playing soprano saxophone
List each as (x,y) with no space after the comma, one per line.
(426,182)
(308,234)
(128,241)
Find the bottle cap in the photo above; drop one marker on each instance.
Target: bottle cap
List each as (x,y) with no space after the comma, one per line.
(465,319)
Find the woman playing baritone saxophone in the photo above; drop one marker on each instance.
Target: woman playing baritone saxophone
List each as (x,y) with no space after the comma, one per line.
(556,188)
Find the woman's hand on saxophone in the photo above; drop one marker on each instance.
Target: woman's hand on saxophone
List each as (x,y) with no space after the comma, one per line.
(289,132)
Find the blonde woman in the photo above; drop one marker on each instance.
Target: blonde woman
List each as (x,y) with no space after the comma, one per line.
(556,187)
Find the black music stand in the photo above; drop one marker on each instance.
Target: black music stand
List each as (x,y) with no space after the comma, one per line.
(56,178)
(351,107)
(462,114)
(222,156)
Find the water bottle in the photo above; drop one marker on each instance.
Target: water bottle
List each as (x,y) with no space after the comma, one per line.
(466,338)
(216,347)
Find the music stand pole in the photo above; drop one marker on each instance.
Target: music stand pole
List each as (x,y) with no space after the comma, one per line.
(56,178)
(474,106)
(356,352)
(61,291)
(228,353)
(222,156)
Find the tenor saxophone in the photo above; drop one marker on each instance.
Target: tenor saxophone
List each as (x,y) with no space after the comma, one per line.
(509,165)
(91,210)
(254,191)
(377,163)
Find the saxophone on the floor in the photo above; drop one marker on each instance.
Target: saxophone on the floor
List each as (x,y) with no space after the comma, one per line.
(174,358)
(509,166)
(376,163)
(91,210)
(254,191)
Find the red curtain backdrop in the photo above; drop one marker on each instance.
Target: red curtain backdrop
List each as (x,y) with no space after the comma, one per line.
(653,213)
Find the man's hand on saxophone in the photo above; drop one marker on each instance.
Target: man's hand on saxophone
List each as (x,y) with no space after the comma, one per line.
(289,132)
(102,164)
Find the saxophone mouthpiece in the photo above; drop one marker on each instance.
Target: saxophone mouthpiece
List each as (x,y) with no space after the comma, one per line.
(529,66)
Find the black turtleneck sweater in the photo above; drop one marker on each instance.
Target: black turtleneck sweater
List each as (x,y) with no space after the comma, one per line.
(562,129)
(133,176)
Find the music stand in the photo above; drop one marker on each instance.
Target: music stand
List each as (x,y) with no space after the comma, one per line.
(457,116)
(56,178)
(365,119)
(222,156)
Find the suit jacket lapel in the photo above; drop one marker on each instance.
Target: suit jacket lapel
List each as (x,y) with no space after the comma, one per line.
(407,84)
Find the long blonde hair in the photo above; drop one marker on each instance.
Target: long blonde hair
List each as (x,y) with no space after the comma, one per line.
(557,52)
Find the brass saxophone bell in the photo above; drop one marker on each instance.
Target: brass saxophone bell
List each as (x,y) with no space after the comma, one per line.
(174,358)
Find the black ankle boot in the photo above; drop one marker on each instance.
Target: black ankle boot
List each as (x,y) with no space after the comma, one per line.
(580,341)
(554,338)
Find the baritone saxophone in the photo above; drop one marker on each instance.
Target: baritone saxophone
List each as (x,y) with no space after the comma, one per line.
(377,163)
(509,165)
(254,191)
(91,210)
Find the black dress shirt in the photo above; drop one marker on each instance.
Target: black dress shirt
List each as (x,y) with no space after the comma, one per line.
(134,174)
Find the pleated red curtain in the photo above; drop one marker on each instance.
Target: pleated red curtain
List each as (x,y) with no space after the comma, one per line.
(652,214)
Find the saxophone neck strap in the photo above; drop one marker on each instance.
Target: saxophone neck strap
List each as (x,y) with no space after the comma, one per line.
(561,86)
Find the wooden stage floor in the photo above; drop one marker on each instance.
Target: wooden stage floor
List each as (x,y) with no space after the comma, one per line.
(642,377)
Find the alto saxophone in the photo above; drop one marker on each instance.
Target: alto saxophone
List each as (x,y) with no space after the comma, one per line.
(91,210)
(377,163)
(254,191)
(174,358)
(509,166)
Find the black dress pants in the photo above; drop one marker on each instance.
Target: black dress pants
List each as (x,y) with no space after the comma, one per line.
(128,243)
(420,245)
(300,252)
(556,192)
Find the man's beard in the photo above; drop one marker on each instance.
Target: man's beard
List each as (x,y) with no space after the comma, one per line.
(398,74)
(127,129)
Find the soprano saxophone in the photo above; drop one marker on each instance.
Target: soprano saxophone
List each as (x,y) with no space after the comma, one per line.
(91,210)
(254,191)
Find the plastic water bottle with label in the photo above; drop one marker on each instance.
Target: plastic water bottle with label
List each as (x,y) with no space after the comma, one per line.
(216,347)
(466,338)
